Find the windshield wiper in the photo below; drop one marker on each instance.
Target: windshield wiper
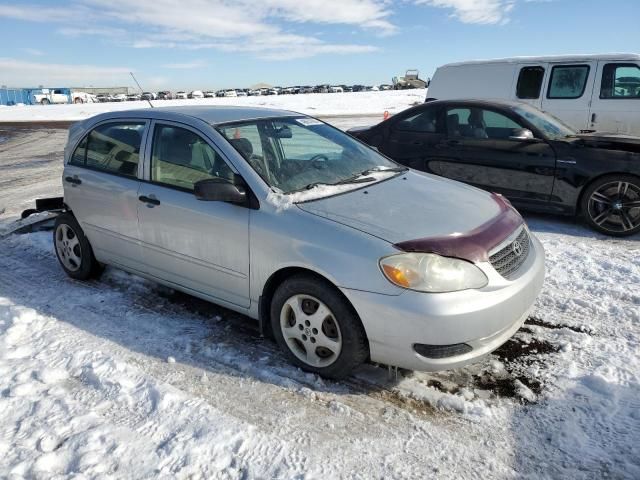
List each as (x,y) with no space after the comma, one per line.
(384,169)
(357,178)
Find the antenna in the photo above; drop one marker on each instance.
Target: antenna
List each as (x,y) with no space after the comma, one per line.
(141,91)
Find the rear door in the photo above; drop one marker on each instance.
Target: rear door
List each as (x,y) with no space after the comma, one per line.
(203,246)
(412,138)
(101,184)
(615,106)
(480,150)
(568,92)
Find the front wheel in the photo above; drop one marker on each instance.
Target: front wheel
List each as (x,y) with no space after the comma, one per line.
(611,205)
(73,249)
(317,328)
(44,101)
(78,100)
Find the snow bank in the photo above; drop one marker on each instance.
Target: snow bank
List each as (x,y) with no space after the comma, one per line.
(315,104)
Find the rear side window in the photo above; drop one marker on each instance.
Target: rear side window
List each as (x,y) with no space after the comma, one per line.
(423,122)
(568,81)
(113,148)
(620,80)
(530,82)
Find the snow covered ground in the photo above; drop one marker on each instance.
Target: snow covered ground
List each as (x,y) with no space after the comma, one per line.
(121,378)
(315,104)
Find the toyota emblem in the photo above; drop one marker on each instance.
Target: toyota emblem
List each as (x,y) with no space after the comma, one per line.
(517,248)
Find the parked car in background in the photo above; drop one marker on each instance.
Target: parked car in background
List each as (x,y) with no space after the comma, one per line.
(119,97)
(148,96)
(103,97)
(321,89)
(588,92)
(241,93)
(132,97)
(532,158)
(181,95)
(165,95)
(254,92)
(196,94)
(230,93)
(341,254)
(385,87)
(209,94)
(410,80)
(336,89)
(48,96)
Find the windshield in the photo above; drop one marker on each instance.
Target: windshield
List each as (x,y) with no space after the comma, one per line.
(550,126)
(298,154)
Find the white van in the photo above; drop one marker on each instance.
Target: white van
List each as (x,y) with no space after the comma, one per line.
(589,92)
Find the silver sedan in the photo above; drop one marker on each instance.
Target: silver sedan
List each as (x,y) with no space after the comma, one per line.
(342,255)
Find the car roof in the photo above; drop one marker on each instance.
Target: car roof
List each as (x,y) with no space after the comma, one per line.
(619,57)
(213,115)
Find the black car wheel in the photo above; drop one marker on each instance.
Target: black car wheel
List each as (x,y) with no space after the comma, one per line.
(611,205)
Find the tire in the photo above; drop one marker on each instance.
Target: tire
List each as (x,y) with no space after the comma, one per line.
(611,205)
(78,100)
(45,101)
(330,344)
(73,249)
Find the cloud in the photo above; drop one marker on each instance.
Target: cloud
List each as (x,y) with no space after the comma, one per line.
(185,66)
(485,12)
(20,72)
(34,13)
(33,51)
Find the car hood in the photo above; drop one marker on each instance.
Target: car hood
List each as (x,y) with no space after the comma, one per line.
(417,211)
(612,141)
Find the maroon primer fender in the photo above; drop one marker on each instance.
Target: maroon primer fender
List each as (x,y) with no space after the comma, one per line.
(474,245)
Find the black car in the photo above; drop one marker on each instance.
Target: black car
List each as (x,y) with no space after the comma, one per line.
(532,158)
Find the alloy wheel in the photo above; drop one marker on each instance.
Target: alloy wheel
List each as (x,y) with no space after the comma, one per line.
(68,247)
(615,206)
(310,330)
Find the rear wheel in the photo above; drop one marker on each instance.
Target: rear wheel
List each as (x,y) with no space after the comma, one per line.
(73,249)
(78,100)
(45,101)
(611,205)
(317,328)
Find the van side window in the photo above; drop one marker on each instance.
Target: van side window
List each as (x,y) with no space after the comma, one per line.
(115,148)
(530,82)
(620,80)
(568,81)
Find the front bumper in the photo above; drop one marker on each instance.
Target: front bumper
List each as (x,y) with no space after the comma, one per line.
(483,319)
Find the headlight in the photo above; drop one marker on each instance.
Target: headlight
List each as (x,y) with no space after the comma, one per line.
(428,272)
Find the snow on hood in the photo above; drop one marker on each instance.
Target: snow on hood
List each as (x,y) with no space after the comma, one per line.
(410,206)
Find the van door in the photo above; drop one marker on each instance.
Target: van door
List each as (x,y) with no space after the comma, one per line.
(615,106)
(530,79)
(568,92)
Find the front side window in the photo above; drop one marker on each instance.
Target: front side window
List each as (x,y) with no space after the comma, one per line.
(113,148)
(181,158)
(293,154)
(550,126)
(530,82)
(423,122)
(568,81)
(620,80)
(479,123)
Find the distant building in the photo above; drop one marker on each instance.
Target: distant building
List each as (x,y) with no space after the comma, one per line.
(102,90)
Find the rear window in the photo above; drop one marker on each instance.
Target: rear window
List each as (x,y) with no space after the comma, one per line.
(113,148)
(530,82)
(620,80)
(568,81)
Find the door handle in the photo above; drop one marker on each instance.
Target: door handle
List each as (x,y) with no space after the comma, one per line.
(149,200)
(73,180)
(593,118)
(447,143)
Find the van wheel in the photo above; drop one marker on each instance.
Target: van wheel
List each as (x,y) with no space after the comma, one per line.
(73,249)
(45,101)
(611,205)
(317,328)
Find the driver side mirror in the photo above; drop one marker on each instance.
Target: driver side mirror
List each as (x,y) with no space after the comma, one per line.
(522,134)
(220,190)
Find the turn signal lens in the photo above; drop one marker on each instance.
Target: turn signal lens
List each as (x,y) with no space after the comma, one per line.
(428,272)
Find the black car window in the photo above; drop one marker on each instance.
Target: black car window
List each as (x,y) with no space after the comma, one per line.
(620,80)
(568,81)
(479,123)
(424,122)
(530,82)
(180,158)
(113,148)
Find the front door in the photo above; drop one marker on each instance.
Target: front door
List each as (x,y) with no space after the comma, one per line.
(480,149)
(615,106)
(203,246)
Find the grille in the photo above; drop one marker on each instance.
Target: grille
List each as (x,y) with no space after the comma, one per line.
(507,261)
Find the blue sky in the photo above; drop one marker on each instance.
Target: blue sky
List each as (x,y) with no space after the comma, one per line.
(211,44)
